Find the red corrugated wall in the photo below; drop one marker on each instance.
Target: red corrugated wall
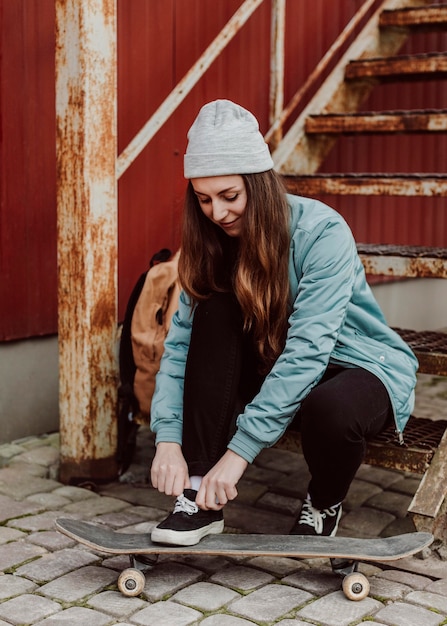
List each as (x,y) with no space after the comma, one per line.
(158,41)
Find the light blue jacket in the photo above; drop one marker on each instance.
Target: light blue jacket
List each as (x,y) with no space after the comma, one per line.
(335,319)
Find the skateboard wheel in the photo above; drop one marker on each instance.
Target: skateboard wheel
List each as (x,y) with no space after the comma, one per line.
(355,586)
(131,582)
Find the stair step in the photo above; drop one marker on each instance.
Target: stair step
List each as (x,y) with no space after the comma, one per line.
(408,261)
(430,348)
(429,66)
(427,121)
(417,18)
(422,437)
(368,184)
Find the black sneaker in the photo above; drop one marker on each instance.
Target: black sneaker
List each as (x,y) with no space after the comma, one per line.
(314,522)
(187,524)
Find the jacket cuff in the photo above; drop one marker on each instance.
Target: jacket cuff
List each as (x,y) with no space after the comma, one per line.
(245,446)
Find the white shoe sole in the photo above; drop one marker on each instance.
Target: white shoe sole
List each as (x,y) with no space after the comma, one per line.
(187,537)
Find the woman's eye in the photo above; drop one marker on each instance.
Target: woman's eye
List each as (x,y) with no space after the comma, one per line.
(232,198)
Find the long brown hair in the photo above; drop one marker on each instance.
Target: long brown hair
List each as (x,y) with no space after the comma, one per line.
(260,274)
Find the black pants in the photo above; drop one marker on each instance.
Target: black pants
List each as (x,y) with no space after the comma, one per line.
(347,407)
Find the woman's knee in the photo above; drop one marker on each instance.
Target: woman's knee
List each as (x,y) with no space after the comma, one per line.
(327,416)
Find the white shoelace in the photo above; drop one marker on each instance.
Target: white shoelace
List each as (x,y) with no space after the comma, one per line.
(314,518)
(184,505)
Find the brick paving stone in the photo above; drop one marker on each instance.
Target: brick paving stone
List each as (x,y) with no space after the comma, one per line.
(43,455)
(35,523)
(359,492)
(75,494)
(78,584)
(21,484)
(205,596)
(119,519)
(261,475)
(277,460)
(249,492)
(430,600)
(241,577)
(336,610)
(431,566)
(27,609)
(388,589)
(119,563)
(297,622)
(48,500)
(146,512)
(76,616)
(295,483)
(293,622)
(269,603)
(408,485)
(411,580)
(281,504)
(114,603)
(144,497)
(224,620)
(317,581)
(378,475)
(9,508)
(366,522)
(276,565)
(51,540)
(402,614)
(29,469)
(94,506)
(166,613)
(11,586)
(250,520)
(399,526)
(8,451)
(395,503)
(167,578)
(53,565)
(209,564)
(15,553)
(440,586)
(10,534)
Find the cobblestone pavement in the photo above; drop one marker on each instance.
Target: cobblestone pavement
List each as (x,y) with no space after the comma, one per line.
(49,580)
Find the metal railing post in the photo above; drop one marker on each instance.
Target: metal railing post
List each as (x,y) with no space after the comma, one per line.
(87,236)
(278,27)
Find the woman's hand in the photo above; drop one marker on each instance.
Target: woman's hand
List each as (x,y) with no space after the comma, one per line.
(219,485)
(169,472)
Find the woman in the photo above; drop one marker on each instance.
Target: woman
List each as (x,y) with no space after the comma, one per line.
(276,324)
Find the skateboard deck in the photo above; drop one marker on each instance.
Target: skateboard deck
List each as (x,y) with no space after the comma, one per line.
(109,541)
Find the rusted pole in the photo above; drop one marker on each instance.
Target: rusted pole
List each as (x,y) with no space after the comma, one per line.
(87,236)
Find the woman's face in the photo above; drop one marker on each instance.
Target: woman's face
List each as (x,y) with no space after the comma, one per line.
(223,200)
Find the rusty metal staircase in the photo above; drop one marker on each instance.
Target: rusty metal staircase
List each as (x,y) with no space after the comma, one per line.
(371,60)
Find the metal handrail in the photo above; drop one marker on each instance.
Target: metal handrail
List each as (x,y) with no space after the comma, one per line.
(278,114)
(182,89)
(275,131)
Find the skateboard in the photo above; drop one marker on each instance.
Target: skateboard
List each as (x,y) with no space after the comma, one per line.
(344,552)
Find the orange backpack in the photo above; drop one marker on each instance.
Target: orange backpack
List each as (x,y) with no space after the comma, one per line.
(149,312)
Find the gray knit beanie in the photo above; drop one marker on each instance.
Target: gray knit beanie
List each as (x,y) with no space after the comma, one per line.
(225,139)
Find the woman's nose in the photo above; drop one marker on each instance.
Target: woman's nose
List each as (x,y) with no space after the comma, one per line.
(219,210)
